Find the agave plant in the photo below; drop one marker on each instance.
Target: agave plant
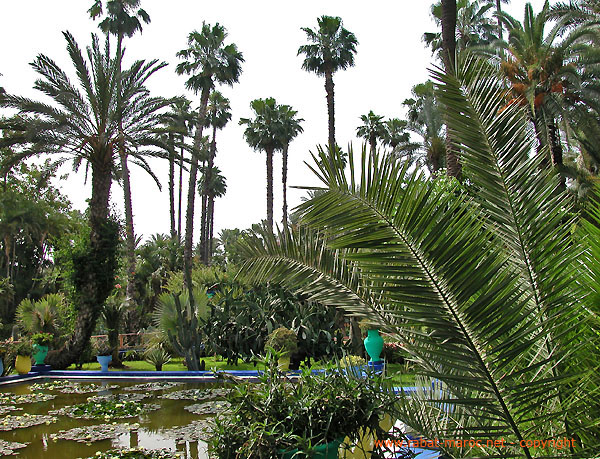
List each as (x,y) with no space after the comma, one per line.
(484,287)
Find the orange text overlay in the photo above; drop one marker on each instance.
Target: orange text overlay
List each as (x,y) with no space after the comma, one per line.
(559,443)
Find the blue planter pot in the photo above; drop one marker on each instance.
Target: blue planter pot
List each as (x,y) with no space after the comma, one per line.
(1,367)
(374,345)
(104,360)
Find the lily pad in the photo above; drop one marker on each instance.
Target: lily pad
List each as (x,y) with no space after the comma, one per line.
(152,386)
(107,410)
(8,448)
(11,422)
(212,407)
(136,453)
(95,433)
(72,387)
(129,397)
(4,409)
(195,394)
(191,432)
(8,398)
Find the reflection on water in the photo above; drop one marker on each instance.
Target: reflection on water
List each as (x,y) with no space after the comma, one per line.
(150,434)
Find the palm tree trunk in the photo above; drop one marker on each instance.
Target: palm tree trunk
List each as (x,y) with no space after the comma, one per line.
(448,56)
(498,11)
(172,183)
(205,196)
(180,192)
(373,143)
(284,182)
(209,229)
(557,151)
(95,283)
(269,152)
(330,108)
(129,231)
(189,216)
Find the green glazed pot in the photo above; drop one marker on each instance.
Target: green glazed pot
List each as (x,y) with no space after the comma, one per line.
(374,345)
(39,353)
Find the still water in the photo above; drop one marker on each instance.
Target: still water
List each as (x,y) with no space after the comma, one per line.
(152,433)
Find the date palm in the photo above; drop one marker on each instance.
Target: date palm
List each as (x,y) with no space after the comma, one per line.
(120,22)
(549,74)
(218,115)
(83,124)
(397,137)
(263,133)
(208,61)
(291,127)
(331,48)
(372,129)
(426,120)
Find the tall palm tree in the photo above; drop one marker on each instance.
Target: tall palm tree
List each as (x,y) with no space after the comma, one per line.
(291,127)
(177,124)
(219,114)
(83,124)
(372,129)
(263,133)
(216,189)
(208,61)
(474,27)
(121,23)
(331,48)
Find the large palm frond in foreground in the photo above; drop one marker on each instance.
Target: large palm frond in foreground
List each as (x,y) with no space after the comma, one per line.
(440,268)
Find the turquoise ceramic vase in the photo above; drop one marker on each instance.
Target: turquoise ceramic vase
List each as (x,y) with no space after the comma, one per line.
(374,345)
(39,353)
(104,360)
(326,451)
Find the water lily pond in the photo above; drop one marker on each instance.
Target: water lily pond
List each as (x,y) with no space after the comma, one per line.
(66,419)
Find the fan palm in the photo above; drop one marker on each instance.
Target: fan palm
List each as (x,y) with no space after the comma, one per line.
(208,61)
(219,114)
(263,133)
(397,136)
(331,48)
(291,127)
(83,124)
(440,264)
(372,129)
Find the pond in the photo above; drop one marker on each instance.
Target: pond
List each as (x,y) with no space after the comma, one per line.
(66,419)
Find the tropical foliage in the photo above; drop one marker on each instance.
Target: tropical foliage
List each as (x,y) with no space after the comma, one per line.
(437,263)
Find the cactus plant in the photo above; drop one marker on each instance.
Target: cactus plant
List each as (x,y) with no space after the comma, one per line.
(187,341)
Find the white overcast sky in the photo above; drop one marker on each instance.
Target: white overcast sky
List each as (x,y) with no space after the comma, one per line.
(391,59)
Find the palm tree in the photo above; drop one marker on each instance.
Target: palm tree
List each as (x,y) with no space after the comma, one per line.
(473,26)
(331,48)
(208,60)
(84,124)
(120,23)
(263,133)
(397,136)
(177,125)
(290,128)
(219,114)
(449,16)
(216,189)
(548,76)
(426,120)
(372,129)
